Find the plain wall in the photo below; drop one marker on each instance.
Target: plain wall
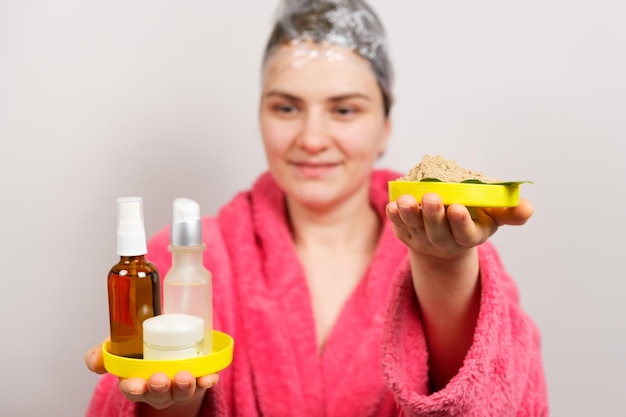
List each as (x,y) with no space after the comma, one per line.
(159,99)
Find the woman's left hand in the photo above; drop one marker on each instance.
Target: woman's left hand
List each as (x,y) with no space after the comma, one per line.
(438,232)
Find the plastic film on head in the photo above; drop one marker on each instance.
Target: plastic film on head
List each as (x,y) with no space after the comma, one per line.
(350,24)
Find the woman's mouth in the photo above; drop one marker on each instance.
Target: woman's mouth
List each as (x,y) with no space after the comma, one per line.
(315,170)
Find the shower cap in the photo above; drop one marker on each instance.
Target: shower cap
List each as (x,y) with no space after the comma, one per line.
(352,24)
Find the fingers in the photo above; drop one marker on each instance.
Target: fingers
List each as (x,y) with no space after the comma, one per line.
(161,392)
(93,359)
(422,225)
(464,225)
(133,388)
(406,218)
(155,391)
(436,224)
(183,387)
(454,229)
(158,393)
(430,227)
(207,381)
(513,216)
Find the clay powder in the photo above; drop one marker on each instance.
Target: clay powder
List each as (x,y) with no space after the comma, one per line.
(443,169)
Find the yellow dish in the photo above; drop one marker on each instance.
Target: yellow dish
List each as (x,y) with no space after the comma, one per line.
(469,194)
(220,357)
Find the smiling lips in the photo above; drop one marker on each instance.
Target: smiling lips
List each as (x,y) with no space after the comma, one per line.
(314,169)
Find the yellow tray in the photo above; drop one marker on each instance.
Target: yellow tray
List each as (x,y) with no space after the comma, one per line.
(220,357)
(470,194)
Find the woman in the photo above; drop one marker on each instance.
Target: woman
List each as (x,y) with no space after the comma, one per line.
(341,303)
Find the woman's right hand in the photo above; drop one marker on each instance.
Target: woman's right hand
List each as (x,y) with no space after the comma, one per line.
(158,391)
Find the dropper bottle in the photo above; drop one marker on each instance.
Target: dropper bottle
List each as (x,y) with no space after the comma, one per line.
(133,283)
(187,287)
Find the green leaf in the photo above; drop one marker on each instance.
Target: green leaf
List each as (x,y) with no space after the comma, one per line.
(475,181)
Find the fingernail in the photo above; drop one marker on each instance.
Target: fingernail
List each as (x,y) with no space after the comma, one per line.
(158,388)
(430,206)
(135,388)
(182,386)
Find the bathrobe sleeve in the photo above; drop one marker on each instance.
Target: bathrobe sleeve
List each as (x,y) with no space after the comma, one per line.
(502,374)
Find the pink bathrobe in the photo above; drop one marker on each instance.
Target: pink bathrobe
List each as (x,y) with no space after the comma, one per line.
(375,361)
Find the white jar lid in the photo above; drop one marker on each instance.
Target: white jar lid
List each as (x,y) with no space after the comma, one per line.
(173,330)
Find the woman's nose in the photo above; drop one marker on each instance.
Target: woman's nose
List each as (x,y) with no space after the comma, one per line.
(314,134)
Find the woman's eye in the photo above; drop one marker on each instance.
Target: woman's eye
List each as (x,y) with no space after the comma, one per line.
(345,111)
(286,108)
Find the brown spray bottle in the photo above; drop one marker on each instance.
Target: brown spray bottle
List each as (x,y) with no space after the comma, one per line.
(133,283)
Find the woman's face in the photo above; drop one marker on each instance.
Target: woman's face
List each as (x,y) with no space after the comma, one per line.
(323,123)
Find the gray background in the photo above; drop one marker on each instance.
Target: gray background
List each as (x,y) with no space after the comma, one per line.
(159,99)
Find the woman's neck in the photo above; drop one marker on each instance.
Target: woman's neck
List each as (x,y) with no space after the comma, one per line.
(352,225)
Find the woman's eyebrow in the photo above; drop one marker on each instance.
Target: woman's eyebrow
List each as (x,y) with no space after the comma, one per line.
(281,94)
(349,96)
(337,98)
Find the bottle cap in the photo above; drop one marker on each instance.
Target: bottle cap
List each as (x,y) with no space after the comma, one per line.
(173,336)
(131,234)
(186,229)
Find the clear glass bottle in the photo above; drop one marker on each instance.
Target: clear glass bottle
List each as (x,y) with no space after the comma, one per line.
(133,283)
(187,287)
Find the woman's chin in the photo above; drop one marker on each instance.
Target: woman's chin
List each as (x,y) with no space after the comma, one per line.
(313,197)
